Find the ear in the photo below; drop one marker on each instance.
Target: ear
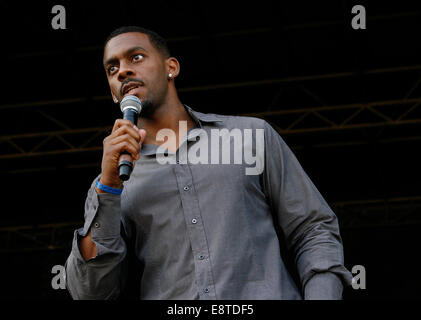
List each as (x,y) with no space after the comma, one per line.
(173,67)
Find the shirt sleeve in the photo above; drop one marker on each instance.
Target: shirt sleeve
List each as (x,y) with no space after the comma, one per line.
(101,277)
(309,226)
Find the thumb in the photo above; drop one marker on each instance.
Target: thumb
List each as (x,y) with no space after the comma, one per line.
(142,133)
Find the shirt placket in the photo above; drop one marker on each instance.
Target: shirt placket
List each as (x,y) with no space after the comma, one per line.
(195,228)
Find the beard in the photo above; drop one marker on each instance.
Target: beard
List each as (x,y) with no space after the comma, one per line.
(148,109)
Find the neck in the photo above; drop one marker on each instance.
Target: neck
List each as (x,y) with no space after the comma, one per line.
(166,116)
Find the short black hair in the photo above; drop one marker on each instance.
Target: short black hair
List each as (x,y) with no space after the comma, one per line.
(156,40)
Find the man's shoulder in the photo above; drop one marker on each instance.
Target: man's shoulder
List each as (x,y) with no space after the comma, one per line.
(240,122)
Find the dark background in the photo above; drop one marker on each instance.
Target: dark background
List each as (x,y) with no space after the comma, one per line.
(346,101)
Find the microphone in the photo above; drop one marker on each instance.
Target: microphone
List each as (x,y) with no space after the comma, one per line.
(131,107)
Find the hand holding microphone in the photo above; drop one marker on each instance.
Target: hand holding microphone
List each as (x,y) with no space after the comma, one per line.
(122,146)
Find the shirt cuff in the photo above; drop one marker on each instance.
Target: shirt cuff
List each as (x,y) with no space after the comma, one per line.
(102,215)
(106,221)
(103,218)
(323,286)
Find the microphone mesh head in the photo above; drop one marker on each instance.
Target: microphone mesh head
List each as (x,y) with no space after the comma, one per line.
(132,102)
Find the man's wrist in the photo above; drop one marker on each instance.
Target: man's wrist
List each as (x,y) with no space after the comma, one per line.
(103,187)
(117,184)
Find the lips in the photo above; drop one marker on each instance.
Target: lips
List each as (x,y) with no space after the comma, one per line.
(130,86)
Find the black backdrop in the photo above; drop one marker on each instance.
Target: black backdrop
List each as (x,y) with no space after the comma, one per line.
(345,100)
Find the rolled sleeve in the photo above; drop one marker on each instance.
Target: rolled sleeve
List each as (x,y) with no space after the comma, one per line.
(106,225)
(309,226)
(323,286)
(100,277)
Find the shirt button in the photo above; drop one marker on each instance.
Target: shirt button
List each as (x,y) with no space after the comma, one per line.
(96,225)
(186,188)
(206,290)
(194,221)
(178,161)
(201,257)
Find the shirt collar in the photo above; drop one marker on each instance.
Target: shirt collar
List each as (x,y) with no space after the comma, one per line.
(198,117)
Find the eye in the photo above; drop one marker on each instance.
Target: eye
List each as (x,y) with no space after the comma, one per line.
(138,57)
(111,69)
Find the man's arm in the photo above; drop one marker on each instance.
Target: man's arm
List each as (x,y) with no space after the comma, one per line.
(95,268)
(309,225)
(87,246)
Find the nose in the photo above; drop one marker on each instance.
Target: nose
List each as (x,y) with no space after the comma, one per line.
(125,72)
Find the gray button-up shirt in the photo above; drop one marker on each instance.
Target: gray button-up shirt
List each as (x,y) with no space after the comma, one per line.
(208,230)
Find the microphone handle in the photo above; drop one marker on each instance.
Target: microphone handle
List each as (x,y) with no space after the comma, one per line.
(130,114)
(125,165)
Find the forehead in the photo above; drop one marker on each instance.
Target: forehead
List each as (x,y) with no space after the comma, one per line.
(121,43)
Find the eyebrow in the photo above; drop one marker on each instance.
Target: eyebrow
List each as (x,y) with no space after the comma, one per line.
(127,52)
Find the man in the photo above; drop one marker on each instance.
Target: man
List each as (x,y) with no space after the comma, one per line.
(197,230)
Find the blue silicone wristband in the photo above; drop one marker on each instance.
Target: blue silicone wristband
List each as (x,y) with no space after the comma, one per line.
(108,189)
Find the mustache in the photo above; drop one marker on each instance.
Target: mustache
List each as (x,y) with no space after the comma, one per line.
(140,81)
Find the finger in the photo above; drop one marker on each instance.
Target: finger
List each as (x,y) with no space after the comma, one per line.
(127,129)
(126,146)
(142,133)
(121,122)
(128,138)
